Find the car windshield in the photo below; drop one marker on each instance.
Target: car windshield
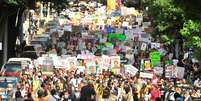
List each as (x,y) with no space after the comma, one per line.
(13,68)
(4,84)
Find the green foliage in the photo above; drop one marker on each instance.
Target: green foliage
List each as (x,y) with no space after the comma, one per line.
(168,17)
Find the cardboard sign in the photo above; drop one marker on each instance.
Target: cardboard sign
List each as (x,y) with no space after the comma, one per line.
(115,62)
(131,69)
(72,62)
(146,75)
(91,67)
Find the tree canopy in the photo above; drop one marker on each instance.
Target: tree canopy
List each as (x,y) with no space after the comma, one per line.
(176,19)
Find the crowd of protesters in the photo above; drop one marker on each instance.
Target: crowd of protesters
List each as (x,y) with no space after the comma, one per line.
(71,85)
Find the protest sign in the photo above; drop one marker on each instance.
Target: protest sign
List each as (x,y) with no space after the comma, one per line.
(180,72)
(174,72)
(155,58)
(68,28)
(59,62)
(158,71)
(105,62)
(72,62)
(91,67)
(147,65)
(131,69)
(143,46)
(125,24)
(146,75)
(155,45)
(115,62)
(170,71)
(120,37)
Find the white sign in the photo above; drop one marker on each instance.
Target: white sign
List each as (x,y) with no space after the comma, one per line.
(146,75)
(185,55)
(68,28)
(155,45)
(131,69)
(1,46)
(125,24)
(158,70)
(143,46)
(180,72)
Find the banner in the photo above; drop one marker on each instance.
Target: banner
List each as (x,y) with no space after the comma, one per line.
(91,67)
(131,69)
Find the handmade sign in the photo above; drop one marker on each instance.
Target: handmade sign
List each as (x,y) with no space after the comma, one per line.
(158,71)
(143,46)
(91,67)
(72,62)
(115,62)
(155,45)
(147,65)
(120,37)
(105,62)
(146,75)
(170,71)
(131,69)
(155,58)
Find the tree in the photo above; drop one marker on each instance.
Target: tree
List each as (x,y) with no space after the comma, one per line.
(175,20)
(167,19)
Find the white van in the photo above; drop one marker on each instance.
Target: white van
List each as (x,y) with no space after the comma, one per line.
(26,62)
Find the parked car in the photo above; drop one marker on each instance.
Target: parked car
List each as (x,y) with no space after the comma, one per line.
(12,69)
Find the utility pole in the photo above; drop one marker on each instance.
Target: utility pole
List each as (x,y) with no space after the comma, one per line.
(5,43)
